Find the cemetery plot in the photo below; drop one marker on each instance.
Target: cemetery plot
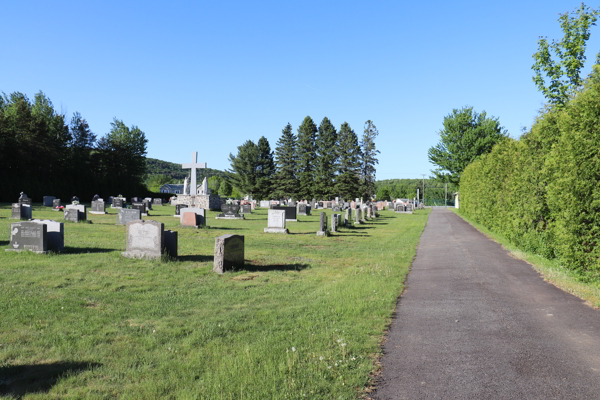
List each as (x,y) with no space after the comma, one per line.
(291,291)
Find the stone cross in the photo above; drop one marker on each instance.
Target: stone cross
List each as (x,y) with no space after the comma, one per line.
(193,165)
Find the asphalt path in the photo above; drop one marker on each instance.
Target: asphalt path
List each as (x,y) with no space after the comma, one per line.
(476,323)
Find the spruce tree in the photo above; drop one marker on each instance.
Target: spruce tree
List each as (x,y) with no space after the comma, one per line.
(326,162)
(265,170)
(307,155)
(368,160)
(285,182)
(349,171)
(243,167)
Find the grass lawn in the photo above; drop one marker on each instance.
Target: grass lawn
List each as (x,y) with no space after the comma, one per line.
(304,318)
(551,270)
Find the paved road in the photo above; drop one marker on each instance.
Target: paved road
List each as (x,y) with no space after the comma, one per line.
(475,323)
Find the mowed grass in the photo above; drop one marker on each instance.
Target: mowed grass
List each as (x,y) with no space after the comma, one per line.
(304,318)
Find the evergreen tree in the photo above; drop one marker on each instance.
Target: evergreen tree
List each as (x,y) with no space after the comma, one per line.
(243,167)
(326,161)
(265,170)
(348,179)
(286,182)
(307,155)
(368,160)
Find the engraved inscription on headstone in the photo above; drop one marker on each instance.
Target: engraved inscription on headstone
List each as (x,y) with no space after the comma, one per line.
(276,222)
(144,239)
(55,233)
(28,236)
(126,215)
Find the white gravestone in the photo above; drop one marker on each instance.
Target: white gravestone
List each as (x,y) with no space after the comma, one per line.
(276,222)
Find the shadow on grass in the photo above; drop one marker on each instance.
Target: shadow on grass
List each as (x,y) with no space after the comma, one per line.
(225,228)
(274,267)
(4,242)
(196,258)
(362,226)
(302,233)
(84,250)
(344,234)
(19,380)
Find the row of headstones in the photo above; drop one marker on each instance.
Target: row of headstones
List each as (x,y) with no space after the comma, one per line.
(277,219)
(143,239)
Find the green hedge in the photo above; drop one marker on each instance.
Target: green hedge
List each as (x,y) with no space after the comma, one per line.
(542,191)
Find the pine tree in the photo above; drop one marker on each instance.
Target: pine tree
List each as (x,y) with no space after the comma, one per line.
(348,179)
(307,155)
(285,182)
(326,162)
(243,167)
(265,170)
(368,160)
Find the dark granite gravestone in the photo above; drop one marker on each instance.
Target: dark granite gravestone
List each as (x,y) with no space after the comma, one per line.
(23,199)
(336,208)
(229,252)
(136,200)
(322,225)
(230,211)
(290,212)
(47,201)
(400,207)
(28,236)
(55,204)
(21,211)
(141,207)
(178,208)
(118,202)
(320,204)
(126,215)
(246,209)
(147,204)
(409,207)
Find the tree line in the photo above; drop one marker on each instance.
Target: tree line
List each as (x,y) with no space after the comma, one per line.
(316,162)
(43,155)
(432,191)
(542,191)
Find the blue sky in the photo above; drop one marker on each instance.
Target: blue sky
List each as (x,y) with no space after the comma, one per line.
(207,76)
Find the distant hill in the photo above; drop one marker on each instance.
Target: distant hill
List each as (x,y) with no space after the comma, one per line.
(174,171)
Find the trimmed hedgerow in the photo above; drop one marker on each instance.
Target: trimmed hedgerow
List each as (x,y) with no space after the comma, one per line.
(542,191)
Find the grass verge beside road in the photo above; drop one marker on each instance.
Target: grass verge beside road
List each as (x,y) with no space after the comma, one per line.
(303,319)
(550,269)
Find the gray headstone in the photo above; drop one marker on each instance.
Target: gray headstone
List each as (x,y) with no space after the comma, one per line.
(246,209)
(28,236)
(98,207)
(80,208)
(141,207)
(118,202)
(157,202)
(144,239)
(334,222)
(322,225)
(55,203)
(55,233)
(230,211)
(21,211)
(265,204)
(357,216)
(229,252)
(178,208)
(72,214)
(126,215)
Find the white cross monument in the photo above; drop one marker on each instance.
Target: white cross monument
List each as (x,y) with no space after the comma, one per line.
(193,165)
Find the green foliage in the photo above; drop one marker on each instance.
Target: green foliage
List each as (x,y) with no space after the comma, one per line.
(466,135)
(326,161)
(243,167)
(437,191)
(154,182)
(265,170)
(542,192)
(368,160)
(176,173)
(348,177)
(214,184)
(285,183)
(564,75)
(306,158)
(225,189)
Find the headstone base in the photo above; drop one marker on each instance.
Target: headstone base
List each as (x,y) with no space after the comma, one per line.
(220,217)
(291,220)
(20,250)
(276,230)
(404,212)
(322,233)
(97,212)
(141,255)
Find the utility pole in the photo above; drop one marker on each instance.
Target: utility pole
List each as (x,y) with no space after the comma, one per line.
(423,175)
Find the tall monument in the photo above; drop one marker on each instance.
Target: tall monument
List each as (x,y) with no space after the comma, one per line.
(193,165)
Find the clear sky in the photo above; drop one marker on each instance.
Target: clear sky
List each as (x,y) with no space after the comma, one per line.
(207,76)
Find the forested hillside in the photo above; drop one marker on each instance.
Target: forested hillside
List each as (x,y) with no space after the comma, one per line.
(174,171)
